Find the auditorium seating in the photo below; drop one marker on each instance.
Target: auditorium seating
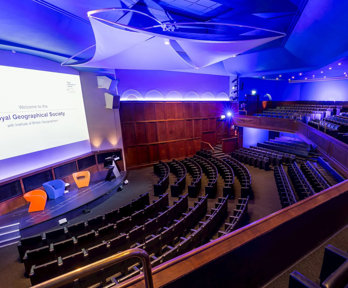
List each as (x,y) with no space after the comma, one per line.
(277,157)
(238,217)
(82,228)
(287,146)
(242,174)
(302,112)
(316,180)
(211,172)
(162,170)
(252,158)
(285,191)
(302,187)
(195,171)
(179,170)
(333,274)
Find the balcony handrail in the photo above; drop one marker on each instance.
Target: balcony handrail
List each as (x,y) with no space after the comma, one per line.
(101,264)
(211,147)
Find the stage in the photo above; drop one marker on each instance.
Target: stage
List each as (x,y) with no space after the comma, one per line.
(21,223)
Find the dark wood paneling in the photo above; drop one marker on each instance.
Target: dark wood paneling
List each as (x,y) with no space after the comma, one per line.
(166,130)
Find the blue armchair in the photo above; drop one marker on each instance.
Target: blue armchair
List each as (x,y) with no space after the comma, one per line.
(54,188)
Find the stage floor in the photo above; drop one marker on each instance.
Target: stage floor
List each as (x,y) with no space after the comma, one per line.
(69,205)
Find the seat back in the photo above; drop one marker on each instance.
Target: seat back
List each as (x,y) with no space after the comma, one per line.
(37,199)
(82,178)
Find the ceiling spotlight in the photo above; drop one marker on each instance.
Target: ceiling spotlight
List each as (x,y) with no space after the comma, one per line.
(222,117)
(289,79)
(229,114)
(234,55)
(263,77)
(277,78)
(324,77)
(305,78)
(321,71)
(280,76)
(300,73)
(253,92)
(313,76)
(339,64)
(166,42)
(293,77)
(330,68)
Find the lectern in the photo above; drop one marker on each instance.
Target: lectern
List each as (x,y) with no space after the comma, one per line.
(113,170)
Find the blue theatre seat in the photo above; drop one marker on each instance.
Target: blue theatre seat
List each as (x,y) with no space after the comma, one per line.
(54,188)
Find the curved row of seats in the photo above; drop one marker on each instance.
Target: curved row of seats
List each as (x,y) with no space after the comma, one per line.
(74,230)
(226,172)
(195,171)
(158,246)
(302,187)
(84,241)
(284,148)
(238,218)
(285,191)
(316,180)
(252,158)
(274,158)
(242,174)
(113,244)
(179,170)
(286,157)
(162,170)
(211,172)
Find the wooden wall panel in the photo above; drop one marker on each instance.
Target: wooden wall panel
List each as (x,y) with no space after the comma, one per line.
(151,132)
(140,132)
(155,131)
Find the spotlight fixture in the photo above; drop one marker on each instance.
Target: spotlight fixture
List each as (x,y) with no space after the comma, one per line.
(293,77)
(321,71)
(339,64)
(222,117)
(229,114)
(277,78)
(313,76)
(306,78)
(253,92)
(280,75)
(330,68)
(300,73)
(263,77)
(166,42)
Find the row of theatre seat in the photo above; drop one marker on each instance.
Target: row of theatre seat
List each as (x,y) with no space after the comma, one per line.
(335,126)
(80,228)
(224,169)
(195,170)
(211,172)
(302,187)
(285,191)
(252,158)
(242,174)
(162,170)
(287,146)
(238,218)
(179,236)
(86,240)
(333,274)
(316,180)
(179,170)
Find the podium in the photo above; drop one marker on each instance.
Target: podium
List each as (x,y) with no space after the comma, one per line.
(113,170)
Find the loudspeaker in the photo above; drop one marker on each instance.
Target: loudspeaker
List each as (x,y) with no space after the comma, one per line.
(104,82)
(112,101)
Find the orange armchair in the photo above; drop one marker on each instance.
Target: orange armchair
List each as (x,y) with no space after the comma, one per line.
(82,178)
(37,199)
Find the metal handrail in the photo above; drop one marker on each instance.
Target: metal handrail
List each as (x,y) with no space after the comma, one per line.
(98,265)
(211,147)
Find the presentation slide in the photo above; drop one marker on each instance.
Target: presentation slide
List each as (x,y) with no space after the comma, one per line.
(39,110)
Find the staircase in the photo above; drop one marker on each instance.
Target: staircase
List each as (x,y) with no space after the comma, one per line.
(9,234)
(218,151)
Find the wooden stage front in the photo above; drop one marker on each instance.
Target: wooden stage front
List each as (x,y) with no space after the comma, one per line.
(68,206)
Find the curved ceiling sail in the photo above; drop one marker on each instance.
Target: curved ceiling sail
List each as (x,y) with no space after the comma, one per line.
(148,43)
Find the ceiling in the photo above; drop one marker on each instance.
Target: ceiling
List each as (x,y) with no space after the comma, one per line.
(315,31)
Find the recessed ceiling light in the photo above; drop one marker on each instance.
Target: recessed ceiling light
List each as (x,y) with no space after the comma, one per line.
(330,68)
(313,75)
(277,78)
(321,71)
(324,77)
(306,78)
(263,77)
(280,75)
(339,64)
(293,77)
(300,73)
(166,41)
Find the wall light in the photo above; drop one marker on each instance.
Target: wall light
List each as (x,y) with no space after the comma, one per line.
(229,114)
(222,117)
